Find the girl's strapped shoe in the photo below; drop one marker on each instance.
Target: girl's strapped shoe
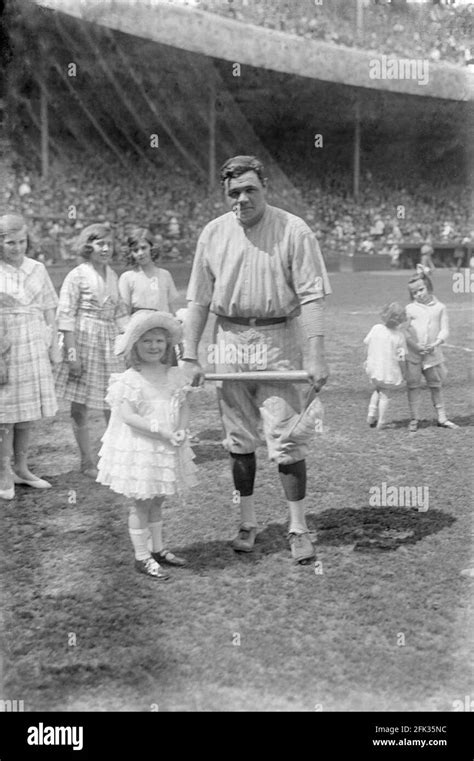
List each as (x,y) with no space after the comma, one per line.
(168,558)
(413,427)
(151,568)
(88,469)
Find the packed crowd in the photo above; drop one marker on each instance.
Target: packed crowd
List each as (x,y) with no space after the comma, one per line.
(59,208)
(176,207)
(436,32)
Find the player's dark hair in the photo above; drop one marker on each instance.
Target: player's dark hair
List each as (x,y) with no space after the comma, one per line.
(238,165)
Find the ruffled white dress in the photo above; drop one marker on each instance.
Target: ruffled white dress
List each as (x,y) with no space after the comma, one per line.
(386,348)
(137,465)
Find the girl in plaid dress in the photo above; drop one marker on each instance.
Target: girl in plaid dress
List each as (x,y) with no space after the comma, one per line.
(90,314)
(28,346)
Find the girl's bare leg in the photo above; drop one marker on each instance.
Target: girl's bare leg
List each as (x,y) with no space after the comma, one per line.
(80,427)
(6,451)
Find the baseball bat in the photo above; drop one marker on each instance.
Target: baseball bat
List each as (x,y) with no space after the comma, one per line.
(290,376)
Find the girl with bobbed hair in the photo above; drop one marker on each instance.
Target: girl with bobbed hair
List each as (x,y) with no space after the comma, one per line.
(146,286)
(28,347)
(90,315)
(386,361)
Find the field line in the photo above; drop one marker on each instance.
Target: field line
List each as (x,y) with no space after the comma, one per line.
(461,348)
(459,308)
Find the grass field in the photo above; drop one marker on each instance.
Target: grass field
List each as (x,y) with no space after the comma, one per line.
(383,623)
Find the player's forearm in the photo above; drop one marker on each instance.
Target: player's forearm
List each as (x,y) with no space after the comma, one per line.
(196,318)
(315,348)
(312,319)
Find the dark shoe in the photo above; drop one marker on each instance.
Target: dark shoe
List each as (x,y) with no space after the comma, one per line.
(302,549)
(447,424)
(88,469)
(372,421)
(245,539)
(151,568)
(168,558)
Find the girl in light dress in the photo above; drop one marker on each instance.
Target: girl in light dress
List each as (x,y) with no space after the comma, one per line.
(427,329)
(145,452)
(28,348)
(146,286)
(386,359)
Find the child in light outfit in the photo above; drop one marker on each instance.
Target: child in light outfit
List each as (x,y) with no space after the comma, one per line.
(385,365)
(145,452)
(427,329)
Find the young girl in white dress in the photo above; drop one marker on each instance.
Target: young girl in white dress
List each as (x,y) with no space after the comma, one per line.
(385,365)
(145,452)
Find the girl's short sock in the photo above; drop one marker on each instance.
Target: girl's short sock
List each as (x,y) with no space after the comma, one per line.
(156,531)
(383,407)
(139,537)
(373,407)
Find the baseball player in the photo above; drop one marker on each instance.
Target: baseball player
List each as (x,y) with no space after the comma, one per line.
(258,268)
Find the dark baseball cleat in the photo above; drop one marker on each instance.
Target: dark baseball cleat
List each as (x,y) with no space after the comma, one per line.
(245,539)
(302,549)
(168,558)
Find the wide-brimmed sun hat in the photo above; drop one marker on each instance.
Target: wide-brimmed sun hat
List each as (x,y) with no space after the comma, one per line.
(141,322)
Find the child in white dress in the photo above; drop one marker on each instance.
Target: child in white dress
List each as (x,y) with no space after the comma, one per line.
(145,452)
(385,365)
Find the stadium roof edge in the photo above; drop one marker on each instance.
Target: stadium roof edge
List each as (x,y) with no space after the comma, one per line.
(218,37)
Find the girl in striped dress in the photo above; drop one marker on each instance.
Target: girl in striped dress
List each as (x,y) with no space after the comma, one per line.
(90,315)
(28,346)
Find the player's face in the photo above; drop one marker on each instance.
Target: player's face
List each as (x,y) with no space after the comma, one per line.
(102,250)
(151,346)
(142,253)
(245,195)
(14,247)
(420,292)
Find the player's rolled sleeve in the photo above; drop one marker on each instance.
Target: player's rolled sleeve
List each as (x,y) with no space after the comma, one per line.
(201,282)
(310,279)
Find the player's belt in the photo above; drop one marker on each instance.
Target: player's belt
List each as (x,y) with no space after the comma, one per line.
(253,320)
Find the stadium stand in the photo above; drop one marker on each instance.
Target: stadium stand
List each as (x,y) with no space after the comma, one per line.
(101,166)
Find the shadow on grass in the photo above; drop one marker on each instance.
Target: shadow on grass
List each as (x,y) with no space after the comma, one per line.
(367,529)
(463,422)
(208,453)
(370,528)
